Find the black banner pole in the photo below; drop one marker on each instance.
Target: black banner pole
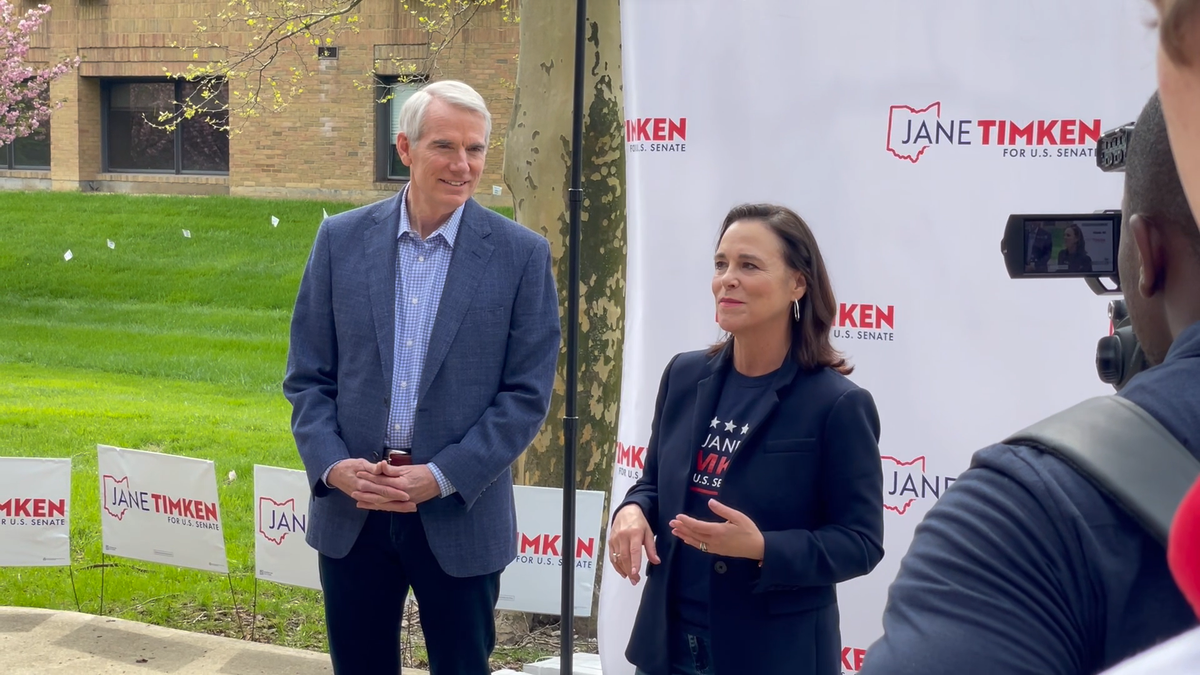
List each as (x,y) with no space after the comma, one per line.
(570,420)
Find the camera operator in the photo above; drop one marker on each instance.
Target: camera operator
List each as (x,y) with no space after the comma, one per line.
(1024,566)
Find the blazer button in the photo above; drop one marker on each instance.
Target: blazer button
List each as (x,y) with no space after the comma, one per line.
(720,567)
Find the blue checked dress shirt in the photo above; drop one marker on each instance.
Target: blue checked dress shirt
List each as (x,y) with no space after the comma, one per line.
(421,267)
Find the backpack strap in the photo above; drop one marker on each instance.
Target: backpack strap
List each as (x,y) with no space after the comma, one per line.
(1124,452)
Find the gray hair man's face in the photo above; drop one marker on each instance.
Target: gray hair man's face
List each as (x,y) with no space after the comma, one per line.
(447,161)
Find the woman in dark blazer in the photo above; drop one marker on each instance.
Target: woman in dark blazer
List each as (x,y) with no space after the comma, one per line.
(1073,255)
(762,486)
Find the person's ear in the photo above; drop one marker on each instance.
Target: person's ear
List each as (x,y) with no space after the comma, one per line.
(1151,244)
(404,148)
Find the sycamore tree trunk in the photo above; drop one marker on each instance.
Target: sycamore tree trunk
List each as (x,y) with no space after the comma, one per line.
(537,169)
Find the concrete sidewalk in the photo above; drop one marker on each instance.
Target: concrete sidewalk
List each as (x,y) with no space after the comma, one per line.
(46,642)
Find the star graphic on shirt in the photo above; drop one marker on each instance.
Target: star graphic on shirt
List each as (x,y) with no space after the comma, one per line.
(745,429)
(730,426)
(713,424)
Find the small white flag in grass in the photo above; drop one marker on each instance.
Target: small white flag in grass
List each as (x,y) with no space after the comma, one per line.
(324,214)
(68,255)
(274,221)
(187,233)
(111,244)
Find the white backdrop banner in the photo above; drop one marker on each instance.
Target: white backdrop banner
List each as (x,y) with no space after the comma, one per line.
(533,582)
(35,512)
(160,508)
(280,522)
(905,138)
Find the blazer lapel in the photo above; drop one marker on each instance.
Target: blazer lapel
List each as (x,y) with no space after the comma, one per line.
(380,246)
(673,499)
(467,265)
(767,403)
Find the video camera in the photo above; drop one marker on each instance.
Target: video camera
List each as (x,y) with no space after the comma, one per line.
(1082,245)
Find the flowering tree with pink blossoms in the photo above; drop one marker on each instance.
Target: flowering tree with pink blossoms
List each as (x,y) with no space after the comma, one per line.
(24,103)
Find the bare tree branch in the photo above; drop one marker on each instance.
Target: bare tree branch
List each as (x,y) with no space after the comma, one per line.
(244,82)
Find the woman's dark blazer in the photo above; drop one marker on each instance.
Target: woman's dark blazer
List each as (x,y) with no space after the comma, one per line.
(808,475)
(1080,262)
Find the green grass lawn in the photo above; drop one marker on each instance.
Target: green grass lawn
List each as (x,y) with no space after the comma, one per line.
(161,343)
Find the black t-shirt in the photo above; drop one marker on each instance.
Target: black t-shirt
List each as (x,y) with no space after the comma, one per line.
(725,433)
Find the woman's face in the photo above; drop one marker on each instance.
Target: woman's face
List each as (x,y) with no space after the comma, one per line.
(752,284)
(1070,239)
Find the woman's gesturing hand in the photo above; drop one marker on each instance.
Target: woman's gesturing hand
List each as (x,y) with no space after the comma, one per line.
(737,537)
(629,534)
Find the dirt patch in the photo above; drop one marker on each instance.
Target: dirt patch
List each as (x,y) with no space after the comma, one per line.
(520,639)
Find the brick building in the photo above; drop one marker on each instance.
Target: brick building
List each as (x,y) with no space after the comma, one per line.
(335,141)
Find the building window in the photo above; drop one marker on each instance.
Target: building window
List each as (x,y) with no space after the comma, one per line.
(388,125)
(133,144)
(30,152)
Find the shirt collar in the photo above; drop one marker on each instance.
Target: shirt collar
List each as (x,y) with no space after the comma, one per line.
(1186,344)
(448,231)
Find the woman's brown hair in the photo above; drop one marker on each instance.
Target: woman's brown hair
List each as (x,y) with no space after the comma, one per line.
(811,344)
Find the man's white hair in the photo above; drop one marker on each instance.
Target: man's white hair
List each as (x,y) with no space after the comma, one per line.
(457,94)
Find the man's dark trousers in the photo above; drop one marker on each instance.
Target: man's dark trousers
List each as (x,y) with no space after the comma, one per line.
(364,603)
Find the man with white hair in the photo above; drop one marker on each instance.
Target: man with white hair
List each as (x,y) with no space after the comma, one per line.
(422,358)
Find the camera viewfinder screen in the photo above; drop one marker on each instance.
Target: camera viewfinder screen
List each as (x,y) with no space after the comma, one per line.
(1060,247)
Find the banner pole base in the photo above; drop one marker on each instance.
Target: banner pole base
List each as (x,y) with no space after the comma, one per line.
(103,567)
(254,610)
(71,569)
(236,612)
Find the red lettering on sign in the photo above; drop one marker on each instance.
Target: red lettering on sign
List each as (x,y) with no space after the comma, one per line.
(631,456)
(677,129)
(872,317)
(535,544)
(1089,133)
(866,318)
(660,129)
(852,659)
(846,315)
(1066,132)
(1015,132)
(656,129)
(585,549)
(1045,132)
(987,126)
(885,316)
(550,544)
